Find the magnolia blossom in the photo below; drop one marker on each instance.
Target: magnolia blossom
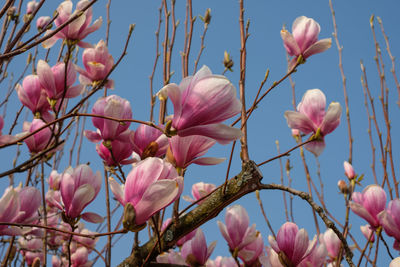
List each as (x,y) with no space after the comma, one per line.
(31,248)
(237,232)
(195,251)
(98,63)
(32,96)
(31,7)
(292,244)
(9,211)
(311,117)
(54,180)
(200,190)
(349,170)
(109,130)
(53,80)
(250,253)
(149,142)
(42,22)
(151,186)
(189,149)
(332,243)
(303,41)
(29,203)
(79,186)
(390,220)
(78,29)
(121,150)
(201,102)
(40,140)
(369,204)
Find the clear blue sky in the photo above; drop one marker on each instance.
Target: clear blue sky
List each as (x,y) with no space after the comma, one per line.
(264,51)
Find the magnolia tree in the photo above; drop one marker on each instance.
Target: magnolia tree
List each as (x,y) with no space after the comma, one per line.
(142,166)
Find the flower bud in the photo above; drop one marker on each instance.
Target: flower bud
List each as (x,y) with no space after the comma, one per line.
(343,187)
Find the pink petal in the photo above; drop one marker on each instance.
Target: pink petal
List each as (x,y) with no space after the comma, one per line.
(92,217)
(208,161)
(82,197)
(222,133)
(316,147)
(318,47)
(74,91)
(332,118)
(117,190)
(313,106)
(300,246)
(362,212)
(297,120)
(92,136)
(290,43)
(157,196)
(46,78)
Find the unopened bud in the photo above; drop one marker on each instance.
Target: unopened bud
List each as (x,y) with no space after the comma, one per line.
(207,17)
(349,170)
(228,62)
(343,187)
(11,12)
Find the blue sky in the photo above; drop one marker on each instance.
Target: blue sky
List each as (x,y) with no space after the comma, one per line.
(267,124)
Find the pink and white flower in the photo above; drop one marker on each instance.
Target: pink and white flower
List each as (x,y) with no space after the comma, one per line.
(79,187)
(311,117)
(293,244)
(390,220)
(195,251)
(369,204)
(201,102)
(332,243)
(78,29)
(151,186)
(303,41)
(40,140)
(98,63)
(53,80)
(237,232)
(149,142)
(189,149)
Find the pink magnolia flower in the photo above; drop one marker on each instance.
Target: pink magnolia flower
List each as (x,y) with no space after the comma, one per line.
(222,262)
(311,117)
(171,257)
(54,180)
(369,204)
(317,258)
(121,150)
(78,29)
(199,190)
(29,200)
(303,41)
(80,257)
(42,22)
(110,106)
(367,231)
(79,186)
(40,140)
(151,186)
(201,102)
(31,248)
(292,243)
(187,150)
(98,63)
(348,170)
(149,142)
(332,243)
(195,251)
(250,253)
(390,220)
(31,7)
(53,80)
(237,232)
(33,96)
(9,211)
